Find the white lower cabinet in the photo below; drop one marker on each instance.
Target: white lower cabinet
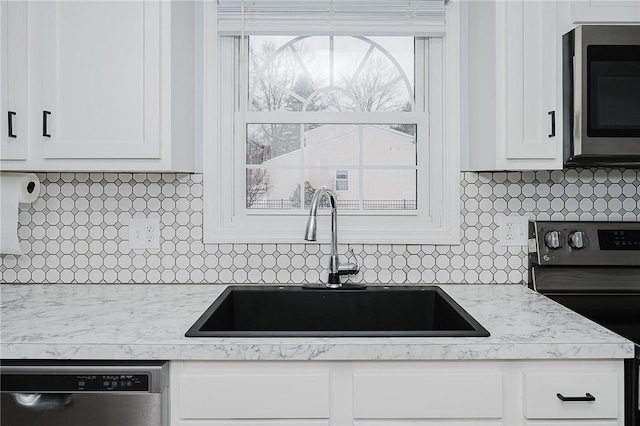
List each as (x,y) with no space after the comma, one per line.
(427,394)
(571,396)
(250,393)
(397,393)
(300,395)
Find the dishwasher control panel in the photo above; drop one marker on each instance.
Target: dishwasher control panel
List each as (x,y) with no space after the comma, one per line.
(75,382)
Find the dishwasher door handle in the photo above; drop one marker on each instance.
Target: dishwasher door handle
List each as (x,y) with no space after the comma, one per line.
(43,401)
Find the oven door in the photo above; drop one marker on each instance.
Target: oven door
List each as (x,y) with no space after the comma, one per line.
(609,296)
(631,390)
(619,312)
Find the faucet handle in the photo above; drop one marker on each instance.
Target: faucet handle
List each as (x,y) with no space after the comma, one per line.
(349,268)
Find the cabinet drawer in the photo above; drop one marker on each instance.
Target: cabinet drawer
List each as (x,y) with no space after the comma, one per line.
(427,395)
(249,396)
(542,400)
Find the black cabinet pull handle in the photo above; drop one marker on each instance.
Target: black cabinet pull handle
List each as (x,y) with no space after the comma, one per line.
(553,124)
(10,125)
(44,124)
(586,398)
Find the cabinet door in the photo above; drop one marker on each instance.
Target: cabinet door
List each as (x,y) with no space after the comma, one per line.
(618,11)
(526,62)
(13,76)
(100,79)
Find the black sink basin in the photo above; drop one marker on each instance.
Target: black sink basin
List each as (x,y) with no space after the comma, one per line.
(275,311)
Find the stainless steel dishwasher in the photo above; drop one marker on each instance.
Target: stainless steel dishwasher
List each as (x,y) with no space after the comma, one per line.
(83,393)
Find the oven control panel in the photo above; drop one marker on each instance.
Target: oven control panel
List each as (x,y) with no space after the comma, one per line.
(585,243)
(620,239)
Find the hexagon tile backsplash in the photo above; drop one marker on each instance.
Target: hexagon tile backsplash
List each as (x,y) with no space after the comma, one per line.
(74,232)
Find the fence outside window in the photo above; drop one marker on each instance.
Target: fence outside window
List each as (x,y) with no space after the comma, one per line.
(285,204)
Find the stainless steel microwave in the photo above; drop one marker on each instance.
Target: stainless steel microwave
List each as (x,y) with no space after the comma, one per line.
(601,96)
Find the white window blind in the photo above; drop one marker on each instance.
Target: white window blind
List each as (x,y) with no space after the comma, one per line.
(320,17)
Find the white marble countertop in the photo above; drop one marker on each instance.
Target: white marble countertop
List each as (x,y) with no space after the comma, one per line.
(43,321)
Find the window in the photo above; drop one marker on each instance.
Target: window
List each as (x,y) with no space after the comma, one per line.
(342,180)
(324,87)
(363,115)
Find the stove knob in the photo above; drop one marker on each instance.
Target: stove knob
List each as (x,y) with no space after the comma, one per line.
(578,240)
(552,240)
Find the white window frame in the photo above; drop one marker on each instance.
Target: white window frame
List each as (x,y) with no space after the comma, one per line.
(226,219)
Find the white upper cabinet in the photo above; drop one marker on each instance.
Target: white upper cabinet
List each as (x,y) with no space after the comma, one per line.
(514,105)
(100,77)
(111,85)
(13,80)
(513,82)
(594,11)
(526,64)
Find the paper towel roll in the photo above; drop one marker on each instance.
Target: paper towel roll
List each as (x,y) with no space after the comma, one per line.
(15,189)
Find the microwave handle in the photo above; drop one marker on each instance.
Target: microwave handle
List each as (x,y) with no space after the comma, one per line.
(553,124)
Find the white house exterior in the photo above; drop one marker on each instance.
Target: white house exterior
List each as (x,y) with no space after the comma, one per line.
(361,162)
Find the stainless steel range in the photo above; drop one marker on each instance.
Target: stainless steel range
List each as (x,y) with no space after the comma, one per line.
(593,268)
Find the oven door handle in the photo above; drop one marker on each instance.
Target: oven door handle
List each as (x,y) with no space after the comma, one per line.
(586,398)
